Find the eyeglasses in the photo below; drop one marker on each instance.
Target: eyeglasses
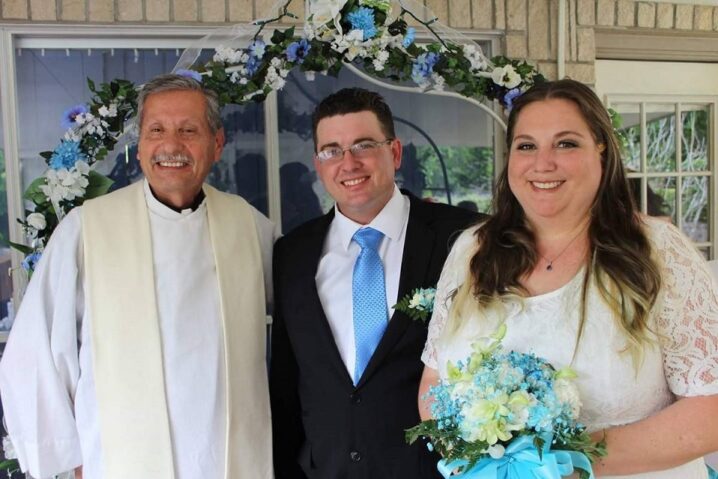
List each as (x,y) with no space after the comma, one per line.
(358,150)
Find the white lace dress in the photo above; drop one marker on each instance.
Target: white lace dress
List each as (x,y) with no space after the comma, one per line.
(683,363)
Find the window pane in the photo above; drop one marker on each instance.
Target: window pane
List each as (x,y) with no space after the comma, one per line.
(660,137)
(52,81)
(694,137)
(662,196)
(630,135)
(694,201)
(450,160)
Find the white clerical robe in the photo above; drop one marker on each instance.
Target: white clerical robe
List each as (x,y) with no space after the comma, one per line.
(46,373)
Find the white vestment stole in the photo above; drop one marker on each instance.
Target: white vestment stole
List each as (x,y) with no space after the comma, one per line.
(127,343)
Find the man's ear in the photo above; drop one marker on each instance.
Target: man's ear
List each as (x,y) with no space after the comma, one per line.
(396,151)
(218,144)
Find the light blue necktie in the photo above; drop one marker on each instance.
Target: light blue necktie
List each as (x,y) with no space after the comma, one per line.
(368,298)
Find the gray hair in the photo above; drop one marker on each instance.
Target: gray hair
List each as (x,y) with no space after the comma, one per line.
(174,82)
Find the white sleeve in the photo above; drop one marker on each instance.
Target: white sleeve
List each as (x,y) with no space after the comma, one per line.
(452,276)
(267,233)
(40,366)
(687,315)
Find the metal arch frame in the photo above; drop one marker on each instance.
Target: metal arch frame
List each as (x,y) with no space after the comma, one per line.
(83,36)
(497,118)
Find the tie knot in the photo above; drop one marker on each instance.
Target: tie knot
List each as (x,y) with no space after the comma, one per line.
(368,238)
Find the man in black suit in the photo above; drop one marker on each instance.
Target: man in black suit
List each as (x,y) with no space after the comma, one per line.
(345,366)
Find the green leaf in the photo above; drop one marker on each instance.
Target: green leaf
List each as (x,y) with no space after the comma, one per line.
(99,185)
(46,154)
(33,192)
(24,249)
(91,85)
(278,37)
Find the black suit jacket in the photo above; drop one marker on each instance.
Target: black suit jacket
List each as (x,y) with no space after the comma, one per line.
(323,426)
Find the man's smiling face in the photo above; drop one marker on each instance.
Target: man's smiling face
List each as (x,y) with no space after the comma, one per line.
(362,186)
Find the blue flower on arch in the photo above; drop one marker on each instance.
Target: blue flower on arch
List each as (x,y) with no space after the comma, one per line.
(363,19)
(69,115)
(297,51)
(66,155)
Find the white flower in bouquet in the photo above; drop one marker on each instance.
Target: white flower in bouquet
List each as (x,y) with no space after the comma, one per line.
(567,392)
(506,76)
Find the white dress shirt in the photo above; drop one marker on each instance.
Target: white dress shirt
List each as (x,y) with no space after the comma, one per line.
(336,267)
(52,411)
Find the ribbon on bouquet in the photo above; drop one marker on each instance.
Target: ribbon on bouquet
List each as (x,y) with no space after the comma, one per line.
(521,460)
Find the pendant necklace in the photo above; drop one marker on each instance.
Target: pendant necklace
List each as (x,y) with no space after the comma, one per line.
(549,266)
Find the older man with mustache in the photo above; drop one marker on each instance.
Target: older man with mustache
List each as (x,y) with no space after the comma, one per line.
(139,349)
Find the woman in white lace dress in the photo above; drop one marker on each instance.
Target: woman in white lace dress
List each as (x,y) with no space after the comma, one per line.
(583,280)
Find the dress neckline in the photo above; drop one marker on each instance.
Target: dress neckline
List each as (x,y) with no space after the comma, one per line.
(558,291)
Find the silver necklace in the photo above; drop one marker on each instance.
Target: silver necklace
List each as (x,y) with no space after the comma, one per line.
(549,265)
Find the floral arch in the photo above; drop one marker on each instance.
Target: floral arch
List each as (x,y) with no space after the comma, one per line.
(371,37)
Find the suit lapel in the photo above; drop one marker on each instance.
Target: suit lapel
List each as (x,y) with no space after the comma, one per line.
(415,263)
(308,297)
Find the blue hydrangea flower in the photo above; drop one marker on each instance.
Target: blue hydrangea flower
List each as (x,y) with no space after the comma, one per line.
(66,155)
(30,261)
(257,49)
(189,74)
(252,65)
(297,51)
(424,66)
(363,19)
(409,37)
(510,96)
(68,117)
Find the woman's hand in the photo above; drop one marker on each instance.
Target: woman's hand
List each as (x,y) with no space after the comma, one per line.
(685,430)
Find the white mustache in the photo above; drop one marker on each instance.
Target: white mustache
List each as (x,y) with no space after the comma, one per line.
(167,157)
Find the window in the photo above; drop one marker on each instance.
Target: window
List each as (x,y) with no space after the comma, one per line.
(669,152)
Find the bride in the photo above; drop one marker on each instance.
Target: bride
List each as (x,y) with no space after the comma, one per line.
(583,280)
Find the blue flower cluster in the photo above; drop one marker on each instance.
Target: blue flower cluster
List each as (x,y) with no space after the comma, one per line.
(297,51)
(363,19)
(189,74)
(424,66)
(69,116)
(66,155)
(510,96)
(409,37)
(256,52)
(30,261)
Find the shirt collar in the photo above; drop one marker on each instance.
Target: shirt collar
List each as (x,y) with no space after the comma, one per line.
(160,209)
(390,220)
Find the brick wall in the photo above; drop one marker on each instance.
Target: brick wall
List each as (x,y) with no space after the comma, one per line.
(529,27)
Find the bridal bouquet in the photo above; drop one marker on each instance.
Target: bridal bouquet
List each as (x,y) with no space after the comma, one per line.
(507,415)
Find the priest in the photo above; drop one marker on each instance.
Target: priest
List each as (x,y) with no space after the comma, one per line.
(139,348)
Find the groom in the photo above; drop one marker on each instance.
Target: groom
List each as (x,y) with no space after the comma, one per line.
(345,366)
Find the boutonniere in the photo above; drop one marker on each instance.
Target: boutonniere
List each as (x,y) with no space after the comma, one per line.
(418,304)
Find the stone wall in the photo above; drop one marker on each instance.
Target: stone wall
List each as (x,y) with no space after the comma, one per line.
(529,28)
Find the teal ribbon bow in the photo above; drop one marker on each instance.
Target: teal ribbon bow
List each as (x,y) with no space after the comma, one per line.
(521,461)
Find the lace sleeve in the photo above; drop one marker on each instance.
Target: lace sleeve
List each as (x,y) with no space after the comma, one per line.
(452,275)
(687,318)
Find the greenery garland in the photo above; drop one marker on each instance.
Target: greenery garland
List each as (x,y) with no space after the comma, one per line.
(365,33)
